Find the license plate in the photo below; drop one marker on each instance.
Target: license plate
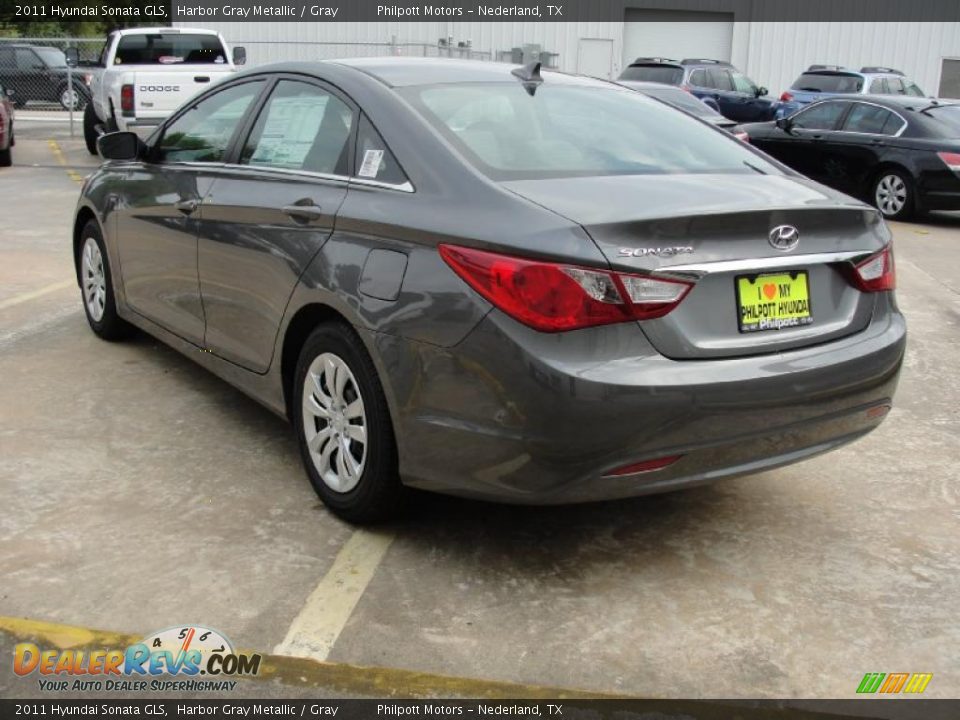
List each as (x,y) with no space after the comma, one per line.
(773,302)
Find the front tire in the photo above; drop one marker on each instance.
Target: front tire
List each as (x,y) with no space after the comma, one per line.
(90,129)
(96,286)
(343,427)
(893,194)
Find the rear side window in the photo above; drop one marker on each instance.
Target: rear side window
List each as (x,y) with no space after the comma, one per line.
(832,83)
(575,130)
(743,84)
(666,74)
(169,49)
(374,160)
(879,87)
(822,116)
(203,133)
(302,127)
(872,119)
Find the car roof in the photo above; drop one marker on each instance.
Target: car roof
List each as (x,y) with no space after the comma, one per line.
(164,31)
(402,72)
(686,62)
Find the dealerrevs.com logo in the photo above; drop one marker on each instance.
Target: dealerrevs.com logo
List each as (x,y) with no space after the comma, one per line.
(190,658)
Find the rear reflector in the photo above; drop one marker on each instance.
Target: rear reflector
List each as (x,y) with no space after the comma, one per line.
(644,467)
(554,297)
(877,411)
(126,100)
(877,272)
(951,159)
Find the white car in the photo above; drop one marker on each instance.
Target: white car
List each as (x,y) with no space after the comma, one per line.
(146,73)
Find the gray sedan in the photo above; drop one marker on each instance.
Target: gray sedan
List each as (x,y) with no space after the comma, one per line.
(494,282)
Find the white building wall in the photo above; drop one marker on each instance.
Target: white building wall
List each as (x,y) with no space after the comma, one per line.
(772,53)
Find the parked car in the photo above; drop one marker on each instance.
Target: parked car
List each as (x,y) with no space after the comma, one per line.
(492,282)
(144,74)
(719,84)
(900,153)
(683,100)
(39,73)
(6,128)
(823,81)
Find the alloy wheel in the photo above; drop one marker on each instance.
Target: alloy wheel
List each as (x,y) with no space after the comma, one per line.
(334,422)
(891,194)
(93,279)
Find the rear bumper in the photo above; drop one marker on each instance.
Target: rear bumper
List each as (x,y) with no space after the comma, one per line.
(518,416)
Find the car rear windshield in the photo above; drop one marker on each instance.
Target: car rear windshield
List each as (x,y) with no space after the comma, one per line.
(169,49)
(575,130)
(667,74)
(828,83)
(949,117)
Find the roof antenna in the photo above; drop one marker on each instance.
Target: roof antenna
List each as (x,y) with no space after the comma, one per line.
(530,75)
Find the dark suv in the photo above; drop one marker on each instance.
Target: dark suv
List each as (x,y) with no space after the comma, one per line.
(39,73)
(719,84)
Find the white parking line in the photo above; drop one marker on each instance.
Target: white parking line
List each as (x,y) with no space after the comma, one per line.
(314,631)
(17,299)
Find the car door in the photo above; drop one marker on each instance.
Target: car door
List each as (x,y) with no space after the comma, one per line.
(748,104)
(159,207)
(799,143)
(853,153)
(727,99)
(269,213)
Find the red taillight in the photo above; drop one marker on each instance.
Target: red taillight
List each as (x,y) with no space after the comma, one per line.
(742,136)
(786,96)
(876,273)
(951,159)
(644,467)
(126,99)
(553,297)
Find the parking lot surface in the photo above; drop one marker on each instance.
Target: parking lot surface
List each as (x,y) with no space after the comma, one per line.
(139,492)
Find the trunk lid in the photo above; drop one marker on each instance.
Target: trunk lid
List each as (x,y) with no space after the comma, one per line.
(158,92)
(716,228)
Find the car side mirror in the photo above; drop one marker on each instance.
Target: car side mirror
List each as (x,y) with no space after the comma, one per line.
(761,91)
(120,146)
(73,56)
(785,124)
(239,56)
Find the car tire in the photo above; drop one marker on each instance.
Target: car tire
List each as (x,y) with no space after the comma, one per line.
(96,286)
(343,427)
(90,129)
(6,158)
(892,193)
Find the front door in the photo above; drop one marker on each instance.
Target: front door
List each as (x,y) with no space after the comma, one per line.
(269,213)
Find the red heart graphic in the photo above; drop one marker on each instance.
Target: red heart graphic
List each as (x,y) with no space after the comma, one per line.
(770,290)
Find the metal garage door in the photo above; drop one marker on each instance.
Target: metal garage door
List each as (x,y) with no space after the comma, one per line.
(950,78)
(677,34)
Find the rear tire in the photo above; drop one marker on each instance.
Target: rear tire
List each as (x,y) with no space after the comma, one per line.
(893,194)
(96,286)
(90,129)
(343,427)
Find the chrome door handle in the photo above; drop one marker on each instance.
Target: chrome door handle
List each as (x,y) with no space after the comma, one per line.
(187,207)
(303,213)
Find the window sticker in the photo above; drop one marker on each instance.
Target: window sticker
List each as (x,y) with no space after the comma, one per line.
(371,163)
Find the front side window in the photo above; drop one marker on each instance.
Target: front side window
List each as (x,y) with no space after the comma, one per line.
(52,57)
(169,49)
(821,116)
(575,130)
(699,78)
(203,133)
(720,79)
(302,127)
(28,60)
(871,119)
(743,84)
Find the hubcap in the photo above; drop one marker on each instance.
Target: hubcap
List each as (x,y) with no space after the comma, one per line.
(891,194)
(94,280)
(334,422)
(69,99)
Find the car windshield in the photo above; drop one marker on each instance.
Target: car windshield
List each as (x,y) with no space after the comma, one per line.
(575,130)
(169,49)
(828,83)
(667,74)
(52,57)
(949,117)
(680,99)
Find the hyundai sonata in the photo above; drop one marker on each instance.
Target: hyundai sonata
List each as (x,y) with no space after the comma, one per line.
(494,282)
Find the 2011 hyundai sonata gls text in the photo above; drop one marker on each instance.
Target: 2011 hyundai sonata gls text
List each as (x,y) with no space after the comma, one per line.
(487,281)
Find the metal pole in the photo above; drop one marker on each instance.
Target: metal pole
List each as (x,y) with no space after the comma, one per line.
(70,92)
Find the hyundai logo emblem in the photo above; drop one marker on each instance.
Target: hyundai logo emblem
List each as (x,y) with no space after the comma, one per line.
(784,237)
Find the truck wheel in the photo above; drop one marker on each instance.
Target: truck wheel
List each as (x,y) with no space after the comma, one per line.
(90,129)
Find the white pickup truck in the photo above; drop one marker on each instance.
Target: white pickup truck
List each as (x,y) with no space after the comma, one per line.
(144,74)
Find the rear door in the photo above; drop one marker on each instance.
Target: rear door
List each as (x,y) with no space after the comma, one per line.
(268,214)
(853,153)
(159,208)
